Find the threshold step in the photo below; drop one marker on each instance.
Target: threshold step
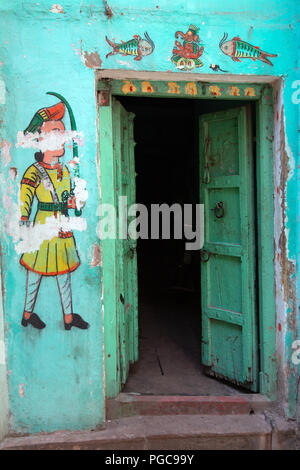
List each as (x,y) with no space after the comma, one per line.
(128,404)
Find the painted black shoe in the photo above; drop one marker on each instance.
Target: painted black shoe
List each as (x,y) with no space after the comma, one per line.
(33,320)
(78,322)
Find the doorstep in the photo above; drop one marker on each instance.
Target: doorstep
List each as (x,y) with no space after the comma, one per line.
(170,432)
(133,404)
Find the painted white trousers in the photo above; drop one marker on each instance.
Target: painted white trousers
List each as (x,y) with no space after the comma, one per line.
(33,283)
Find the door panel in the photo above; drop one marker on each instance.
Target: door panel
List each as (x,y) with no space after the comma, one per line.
(229,333)
(127,299)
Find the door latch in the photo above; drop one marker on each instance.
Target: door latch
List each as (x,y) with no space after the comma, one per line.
(219,210)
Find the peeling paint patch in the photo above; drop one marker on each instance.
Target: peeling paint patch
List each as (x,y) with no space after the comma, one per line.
(28,238)
(2,352)
(80,192)
(96,261)
(128,87)
(6,201)
(21,390)
(47,140)
(5,151)
(56,8)
(92,60)
(13,172)
(2,92)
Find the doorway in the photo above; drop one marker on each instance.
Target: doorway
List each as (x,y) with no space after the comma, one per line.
(167,167)
(229,337)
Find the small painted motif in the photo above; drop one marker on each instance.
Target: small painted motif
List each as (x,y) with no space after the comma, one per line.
(136,47)
(128,87)
(147,87)
(191,88)
(233,91)
(249,91)
(215,90)
(216,68)
(186,54)
(174,88)
(238,49)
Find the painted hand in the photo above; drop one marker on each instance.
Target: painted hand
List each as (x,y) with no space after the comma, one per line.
(72,203)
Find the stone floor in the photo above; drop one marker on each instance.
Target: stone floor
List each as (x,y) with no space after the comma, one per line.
(169,348)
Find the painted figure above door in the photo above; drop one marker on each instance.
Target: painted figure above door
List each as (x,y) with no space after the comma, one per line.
(187,52)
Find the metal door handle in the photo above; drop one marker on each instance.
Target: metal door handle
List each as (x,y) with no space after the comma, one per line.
(219,210)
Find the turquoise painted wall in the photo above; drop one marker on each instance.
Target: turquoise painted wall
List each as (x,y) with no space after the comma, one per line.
(4,410)
(55,377)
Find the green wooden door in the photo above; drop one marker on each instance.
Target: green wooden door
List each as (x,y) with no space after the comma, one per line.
(229,331)
(127,298)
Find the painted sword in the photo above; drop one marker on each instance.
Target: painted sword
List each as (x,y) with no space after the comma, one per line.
(75,147)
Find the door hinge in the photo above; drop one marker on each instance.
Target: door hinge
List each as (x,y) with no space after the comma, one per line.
(103,98)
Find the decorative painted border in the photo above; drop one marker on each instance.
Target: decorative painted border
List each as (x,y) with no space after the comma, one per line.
(183,89)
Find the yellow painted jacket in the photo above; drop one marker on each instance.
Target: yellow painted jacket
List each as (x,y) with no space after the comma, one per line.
(58,255)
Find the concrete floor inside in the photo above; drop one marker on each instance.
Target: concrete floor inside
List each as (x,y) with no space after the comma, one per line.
(170,348)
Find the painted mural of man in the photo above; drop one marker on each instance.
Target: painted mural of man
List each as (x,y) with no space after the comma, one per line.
(48,180)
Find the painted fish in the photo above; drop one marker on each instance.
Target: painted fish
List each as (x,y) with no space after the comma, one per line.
(238,49)
(137,47)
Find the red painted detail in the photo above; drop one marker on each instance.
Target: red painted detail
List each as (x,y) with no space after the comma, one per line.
(278,256)
(277,189)
(277,115)
(279,326)
(49,274)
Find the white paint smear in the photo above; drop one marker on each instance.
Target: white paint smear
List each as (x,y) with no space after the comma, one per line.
(43,141)
(28,238)
(2,352)
(80,192)
(5,151)
(56,8)
(2,92)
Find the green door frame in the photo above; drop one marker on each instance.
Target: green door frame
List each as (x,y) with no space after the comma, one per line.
(262,94)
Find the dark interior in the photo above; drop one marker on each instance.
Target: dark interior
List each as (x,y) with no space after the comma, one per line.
(167,167)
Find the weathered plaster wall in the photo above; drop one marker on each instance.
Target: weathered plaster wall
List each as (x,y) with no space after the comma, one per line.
(50,47)
(3,375)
